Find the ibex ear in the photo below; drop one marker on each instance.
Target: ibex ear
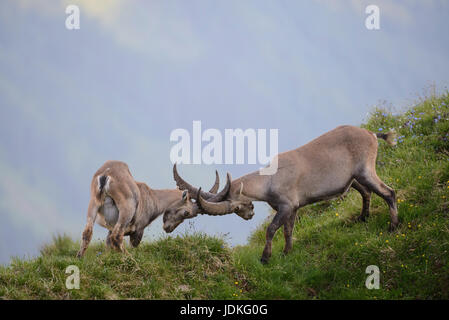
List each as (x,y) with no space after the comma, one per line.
(185,195)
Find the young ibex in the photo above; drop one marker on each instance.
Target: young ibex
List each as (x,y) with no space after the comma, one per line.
(322,169)
(125,207)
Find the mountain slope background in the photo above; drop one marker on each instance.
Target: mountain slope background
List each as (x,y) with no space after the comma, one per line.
(331,249)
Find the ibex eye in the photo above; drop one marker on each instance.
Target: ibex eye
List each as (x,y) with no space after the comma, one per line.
(186,213)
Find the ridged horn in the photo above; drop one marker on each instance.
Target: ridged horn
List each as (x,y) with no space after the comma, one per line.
(216,185)
(184,185)
(213,208)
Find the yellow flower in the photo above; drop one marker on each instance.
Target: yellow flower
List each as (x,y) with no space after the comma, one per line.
(236,282)
(386,241)
(380,233)
(419,177)
(336,214)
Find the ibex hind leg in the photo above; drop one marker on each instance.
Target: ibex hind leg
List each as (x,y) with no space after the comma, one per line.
(87,233)
(366,199)
(126,213)
(371,181)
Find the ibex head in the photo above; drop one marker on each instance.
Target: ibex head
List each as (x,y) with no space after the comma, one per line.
(178,212)
(210,203)
(234,202)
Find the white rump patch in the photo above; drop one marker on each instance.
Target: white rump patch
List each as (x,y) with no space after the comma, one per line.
(106,185)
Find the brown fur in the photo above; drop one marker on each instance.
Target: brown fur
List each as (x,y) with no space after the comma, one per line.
(322,169)
(137,204)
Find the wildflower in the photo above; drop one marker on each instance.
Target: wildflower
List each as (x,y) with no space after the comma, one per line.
(386,241)
(236,282)
(336,214)
(380,234)
(419,177)
(403,234)
(380,129)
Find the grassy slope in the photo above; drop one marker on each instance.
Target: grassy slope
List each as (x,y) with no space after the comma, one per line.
(330,254)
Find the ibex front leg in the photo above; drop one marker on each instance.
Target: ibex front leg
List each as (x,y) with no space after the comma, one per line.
(279,219)
(288,232)
(87,233)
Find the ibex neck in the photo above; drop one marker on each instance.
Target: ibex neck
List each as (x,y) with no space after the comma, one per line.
(165,197)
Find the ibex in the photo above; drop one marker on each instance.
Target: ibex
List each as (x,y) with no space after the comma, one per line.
(322,169)
(125,207)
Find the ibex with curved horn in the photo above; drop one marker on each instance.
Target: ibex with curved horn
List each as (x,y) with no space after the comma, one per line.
(125,207)
(322,169)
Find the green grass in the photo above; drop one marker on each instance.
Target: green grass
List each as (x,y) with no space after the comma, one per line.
(330,252)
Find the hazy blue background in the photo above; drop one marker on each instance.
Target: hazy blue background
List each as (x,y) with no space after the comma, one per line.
(136,70)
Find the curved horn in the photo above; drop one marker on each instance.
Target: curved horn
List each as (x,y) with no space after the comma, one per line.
(214,208)
(223,193)
(216,185)
(183,185)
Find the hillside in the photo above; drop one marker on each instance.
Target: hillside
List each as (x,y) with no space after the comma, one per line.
(331,250)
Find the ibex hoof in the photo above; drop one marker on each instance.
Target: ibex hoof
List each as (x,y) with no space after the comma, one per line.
(264,260)
(392,227)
